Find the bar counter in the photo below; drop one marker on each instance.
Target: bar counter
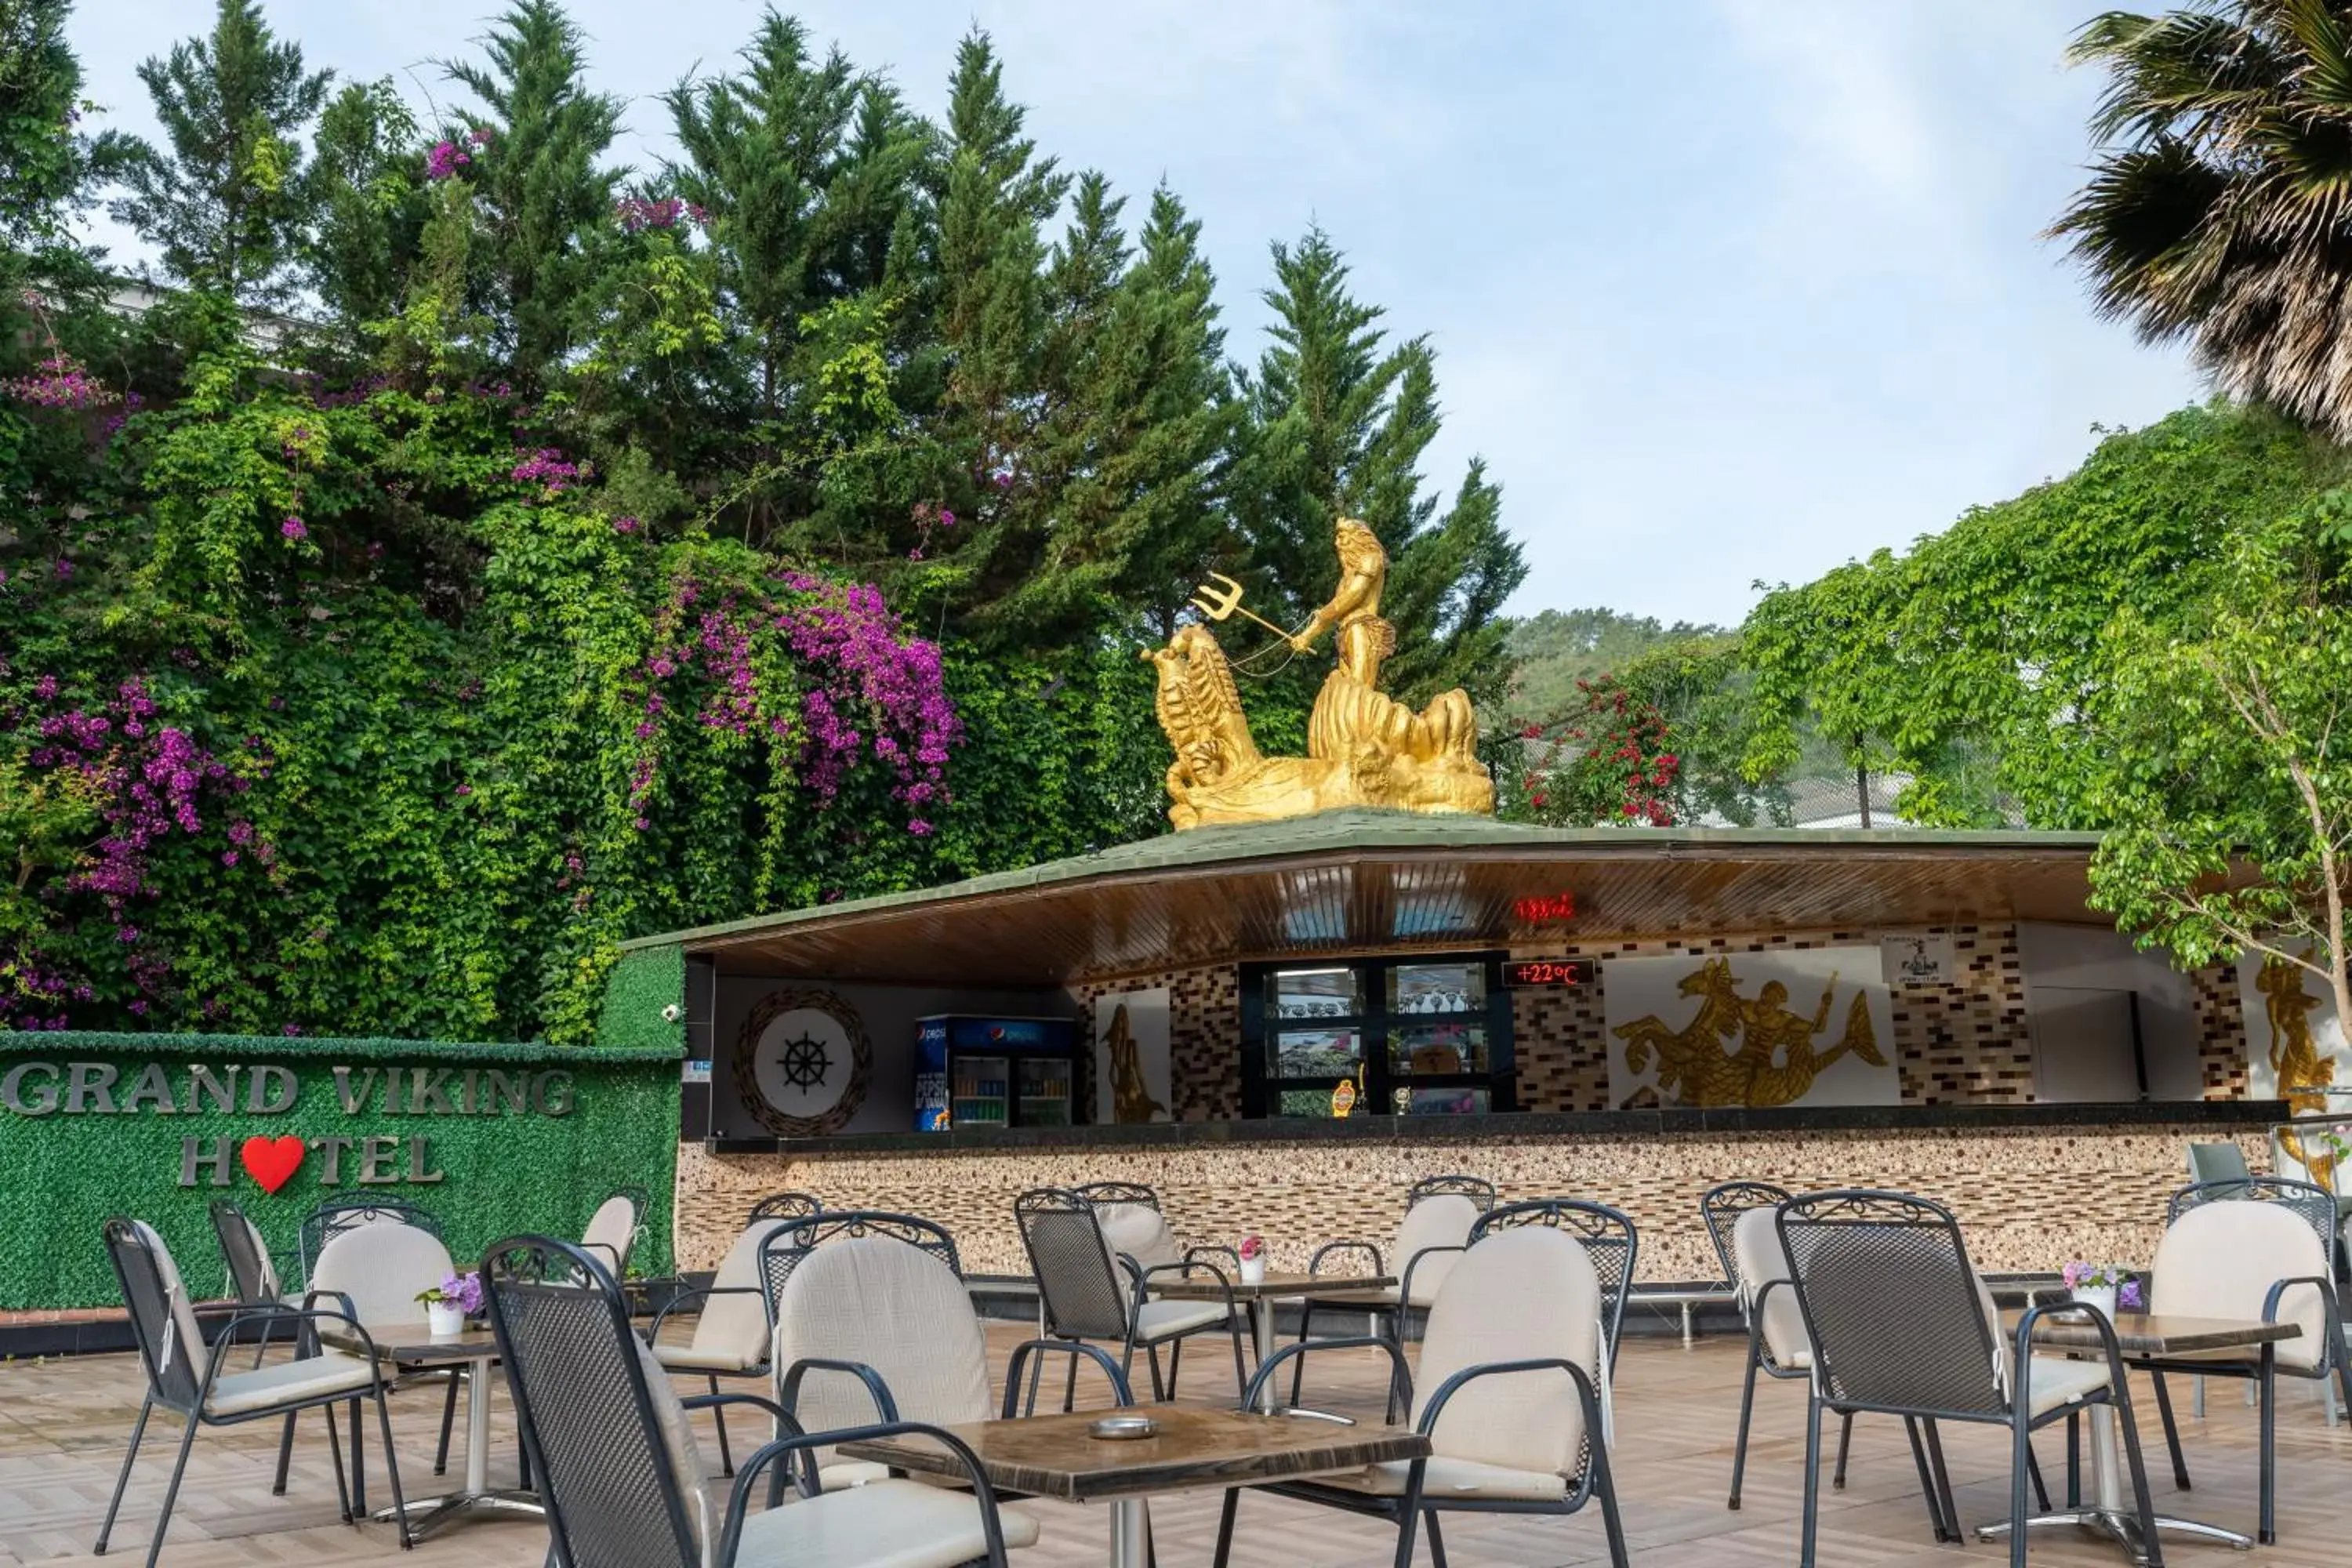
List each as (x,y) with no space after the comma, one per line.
(2215,1113)
(2034,1186)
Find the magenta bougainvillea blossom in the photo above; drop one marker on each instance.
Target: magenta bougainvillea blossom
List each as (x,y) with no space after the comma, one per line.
(58,382)
(150,780)
(294,527)
(548,469)
(640,212)
(448,156)
(867,688)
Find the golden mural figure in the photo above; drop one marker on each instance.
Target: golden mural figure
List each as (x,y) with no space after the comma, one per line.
(1130,1096)
(2303,1075)
(1363,747)
(1776,1063)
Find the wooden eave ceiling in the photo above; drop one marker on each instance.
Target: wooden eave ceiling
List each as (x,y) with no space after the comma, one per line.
(1377,899)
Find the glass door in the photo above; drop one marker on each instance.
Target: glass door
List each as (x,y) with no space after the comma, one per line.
(982,1090)
(1044,1083)
(1439,1053)
(1314,1039)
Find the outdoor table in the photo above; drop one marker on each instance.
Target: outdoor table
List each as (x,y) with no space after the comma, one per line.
(2110,1510)
(1262,1294)
(413,1345)
(1056,1456)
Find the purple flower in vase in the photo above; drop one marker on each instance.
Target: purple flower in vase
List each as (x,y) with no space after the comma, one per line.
(2128,1299)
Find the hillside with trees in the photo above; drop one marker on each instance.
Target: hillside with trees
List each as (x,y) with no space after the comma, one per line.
(467,552)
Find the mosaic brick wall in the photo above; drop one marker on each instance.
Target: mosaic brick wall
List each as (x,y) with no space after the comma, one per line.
(1968,1043)
(2017,1216)
(2221,1032)
(1204,1031)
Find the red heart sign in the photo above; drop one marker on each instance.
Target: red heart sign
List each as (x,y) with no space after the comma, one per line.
(272,1162)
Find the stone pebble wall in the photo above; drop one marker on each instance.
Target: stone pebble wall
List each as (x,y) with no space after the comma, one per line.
(2028,1200)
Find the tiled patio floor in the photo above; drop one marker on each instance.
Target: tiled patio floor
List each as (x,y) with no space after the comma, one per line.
(63,1423)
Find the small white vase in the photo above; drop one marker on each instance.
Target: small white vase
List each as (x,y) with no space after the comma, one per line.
(1254,1271)
(2103,1297)
(444,1319)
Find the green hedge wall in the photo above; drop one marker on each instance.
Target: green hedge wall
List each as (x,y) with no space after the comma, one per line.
(62,1174)
(644,982)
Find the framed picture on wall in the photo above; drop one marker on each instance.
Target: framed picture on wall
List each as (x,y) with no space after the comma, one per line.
(1133,1078)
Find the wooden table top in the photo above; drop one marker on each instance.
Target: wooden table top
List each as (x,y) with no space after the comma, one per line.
(1055,1455)
(1205,1288)
(415,1341)
(2139,1333)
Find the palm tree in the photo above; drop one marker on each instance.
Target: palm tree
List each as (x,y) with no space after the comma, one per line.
(2219,204)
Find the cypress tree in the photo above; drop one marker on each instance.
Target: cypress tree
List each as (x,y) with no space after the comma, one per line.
(545,201)
(48,167)
(227,203)
(1338,422)
(368,201)
(994,193)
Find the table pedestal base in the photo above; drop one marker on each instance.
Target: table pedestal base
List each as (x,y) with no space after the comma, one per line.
(2108,1514)
(431,1513)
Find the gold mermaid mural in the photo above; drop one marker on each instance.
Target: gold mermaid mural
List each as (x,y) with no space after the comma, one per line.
(1747,1050)
(1363,747)
(2300,1041)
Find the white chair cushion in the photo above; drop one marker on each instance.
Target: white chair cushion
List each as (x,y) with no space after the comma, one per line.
(2056,1380)
(895,1308)
(886,1524)
(235,1394)
(1441,1221)
(1526,1294)
(842,1474)
(2219,1260)
(270,1289)
(610,1231)
(685,1358)
(381,1267)
(1160,1320)
(1141,1232)
(732,1334)
(1454,1477)
(1756,1252)
(706,1507)
(185,1338)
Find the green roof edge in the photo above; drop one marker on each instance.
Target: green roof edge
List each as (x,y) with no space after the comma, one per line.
(1362,829)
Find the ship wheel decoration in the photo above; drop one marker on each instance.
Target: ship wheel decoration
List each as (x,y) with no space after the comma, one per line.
(803,1062)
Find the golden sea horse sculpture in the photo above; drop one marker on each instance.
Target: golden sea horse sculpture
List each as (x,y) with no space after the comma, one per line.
(1363,747)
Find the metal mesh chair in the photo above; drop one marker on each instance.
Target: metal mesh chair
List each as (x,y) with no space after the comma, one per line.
(1537,1444)
(1610,1237)
(1424,1248)
(252,1275)
(1082,1296)
(322,1225)
(785,1205)
(781,1250)
(1722,1208)
(618,1468)
(1477,1189)
(1900,1324)
(611,1229)
(1103,1194)
(186,1377)
(2259,1265)
(336,1215)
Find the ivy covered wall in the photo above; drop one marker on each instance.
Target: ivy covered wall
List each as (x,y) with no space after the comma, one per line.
(519,1137)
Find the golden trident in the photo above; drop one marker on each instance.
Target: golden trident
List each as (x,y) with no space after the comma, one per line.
(1220,596)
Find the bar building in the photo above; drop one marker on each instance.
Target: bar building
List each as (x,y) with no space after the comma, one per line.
(1626,1016)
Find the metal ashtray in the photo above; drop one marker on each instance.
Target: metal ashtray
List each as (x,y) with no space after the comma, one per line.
(1119,1428)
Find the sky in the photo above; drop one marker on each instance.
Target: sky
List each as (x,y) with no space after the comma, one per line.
(1723,291)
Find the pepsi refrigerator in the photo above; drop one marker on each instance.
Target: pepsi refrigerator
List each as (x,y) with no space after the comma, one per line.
(973,1070)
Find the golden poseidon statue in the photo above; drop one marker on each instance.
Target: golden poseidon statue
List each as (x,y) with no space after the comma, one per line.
(1363,747)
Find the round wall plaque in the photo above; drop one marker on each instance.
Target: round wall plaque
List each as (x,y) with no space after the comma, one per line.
(801,1062)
